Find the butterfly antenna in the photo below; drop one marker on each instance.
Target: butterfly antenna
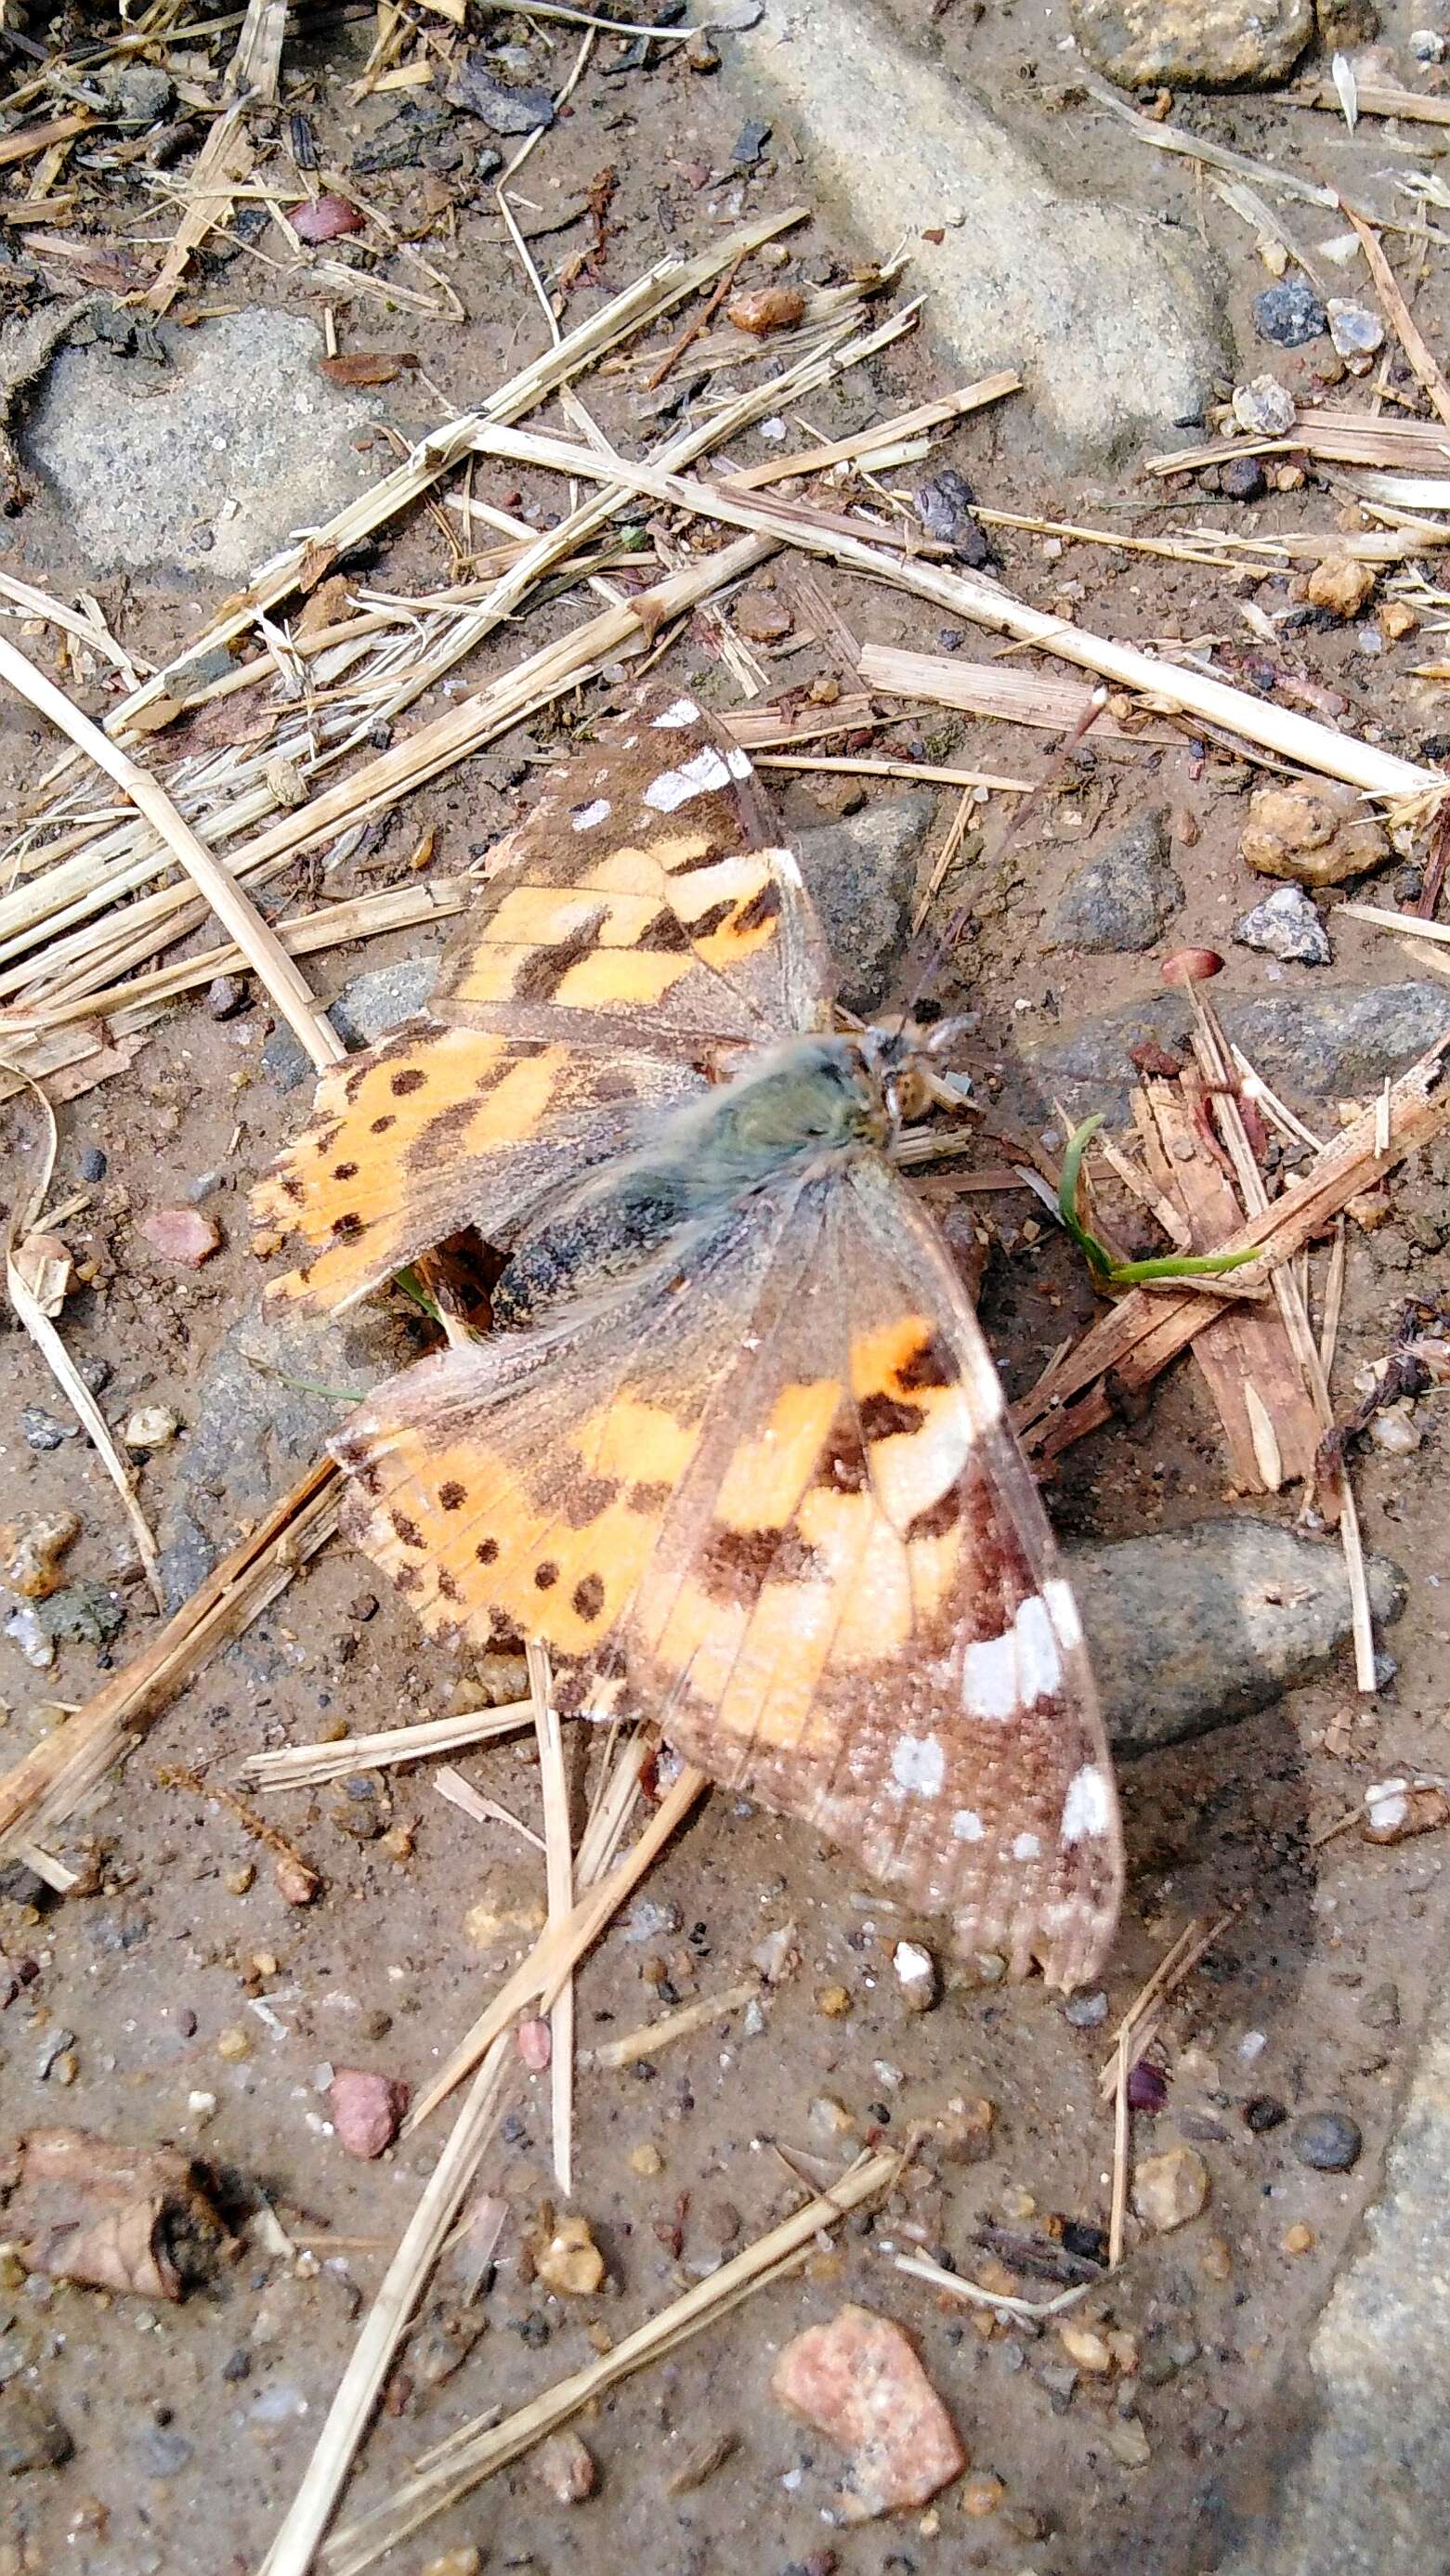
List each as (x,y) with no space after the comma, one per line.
(1027,806)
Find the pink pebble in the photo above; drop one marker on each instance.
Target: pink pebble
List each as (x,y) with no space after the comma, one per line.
(367,2110)
(536,2044)
(182,1234)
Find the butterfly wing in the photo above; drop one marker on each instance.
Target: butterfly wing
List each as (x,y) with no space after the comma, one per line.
(770,1497)
(647,886)
(640,924)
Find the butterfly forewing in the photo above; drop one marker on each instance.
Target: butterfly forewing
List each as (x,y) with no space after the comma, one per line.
(645,890)
(636,930)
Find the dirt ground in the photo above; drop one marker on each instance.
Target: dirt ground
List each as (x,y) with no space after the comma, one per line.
(192,2425)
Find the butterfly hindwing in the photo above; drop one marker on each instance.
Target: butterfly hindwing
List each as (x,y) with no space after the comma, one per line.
(771,1499)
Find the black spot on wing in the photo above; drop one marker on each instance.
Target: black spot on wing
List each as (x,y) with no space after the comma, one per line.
(543,970)
(930,1364)
(883,1418)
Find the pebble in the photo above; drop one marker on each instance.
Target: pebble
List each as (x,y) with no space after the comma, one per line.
(234,2044)
(93,1164)
(1289,314)
(535,2043)
(1327,2141)
(467,2561)
(946,507)
(1316,833)
(917,1975)
(151,1426)
(30,1553)
(1147,2086)
(162,2452)
(1085,2347)
(1192,44)
(40,1430)
(32,2436)
(1265,408)
(1242,478)
(569,2262)
(295,1883)
(750,142)
(1170,2189)
(182,1235)
(858,2380)
(982,2495)
(1396,1431)
(1127,2440)
(833,2001)
(649,1921)
(367,2110)
(502,109)
(1341,584)
(225,996)
(1086,2012)
(1380,2008)
(566,2468)
(1355,331)
(1285,925)
(1263,2112)
(1297,2238)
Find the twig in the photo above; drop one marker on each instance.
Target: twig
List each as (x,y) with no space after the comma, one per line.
(653,2035)
(1402,321)
(450,1784)
(307,1766)
(1122,2138)
(955,2285)
(559,1880)
(264,952)
(693,329)
(1139,2023)
(58,1359)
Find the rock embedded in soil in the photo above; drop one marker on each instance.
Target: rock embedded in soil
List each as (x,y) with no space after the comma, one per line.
(861,875)
(568,2261)
(1329,1042)
(182,1235)
(1192,44)
(210,466)
(1342,584)
(32,2435)
(1327,2141)
(1285,925)
(1170,2189)
(858,2380)
(1013,263)
(1120,899)
(1256,1609)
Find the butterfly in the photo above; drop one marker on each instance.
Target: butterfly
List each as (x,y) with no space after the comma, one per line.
(735,1451)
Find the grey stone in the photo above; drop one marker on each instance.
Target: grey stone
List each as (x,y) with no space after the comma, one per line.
(32,2436)
(365,1010)
(1368,2465)
(1335,1042)
(276,1391)
(1326,2141)
(1122,897)
(161,2451)
(1289,314)
(209,467)
(861,874)
(1192,44)
(1018,277)
(1253,1610)
(1285,925)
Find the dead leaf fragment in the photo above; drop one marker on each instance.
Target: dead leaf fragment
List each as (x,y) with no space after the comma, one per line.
(368,366)
(135,2220)
(762,309)
(324,219)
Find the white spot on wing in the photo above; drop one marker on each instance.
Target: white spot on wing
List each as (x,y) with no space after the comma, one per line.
(1027,1847)
(697,777)
(1023,1665)
(1062,1611)
(919,1764)
(683,712)
(967,1825)
(1088,1806)
(589,815)
(738,762)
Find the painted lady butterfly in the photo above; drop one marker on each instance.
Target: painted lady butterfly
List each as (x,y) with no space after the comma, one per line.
(737,1454)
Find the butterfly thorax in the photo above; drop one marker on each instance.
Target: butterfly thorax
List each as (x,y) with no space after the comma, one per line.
(795,1107)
